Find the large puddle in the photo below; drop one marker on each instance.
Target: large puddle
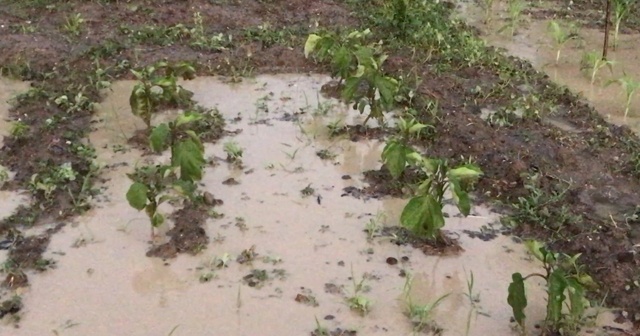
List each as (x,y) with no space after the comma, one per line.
(308,247)
(534,43)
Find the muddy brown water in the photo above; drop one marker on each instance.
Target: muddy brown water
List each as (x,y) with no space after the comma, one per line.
(105,285)
(535,44)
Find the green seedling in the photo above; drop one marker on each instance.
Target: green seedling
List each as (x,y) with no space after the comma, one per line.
(592,62)
(566,283)
(358,302)
(73,24)
(487,6)
(359,67)
(52,177)
(397,148)
(234,152)
(515,9)
(154,185)
(630,86)
(320,329)
(423,214)
(561,35)
(200,40)
(374,226)
(158,86)
(621,9)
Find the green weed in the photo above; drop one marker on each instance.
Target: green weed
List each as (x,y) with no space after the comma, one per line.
(19,129)
(516,19)
(234,152)
(621,9)
(74,25)
(421,315)
(4,175)
(358,301)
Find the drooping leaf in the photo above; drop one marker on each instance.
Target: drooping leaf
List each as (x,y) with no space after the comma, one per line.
(423,215)
(186,118)
(534,248)
(394,156)
(141,102)
(350,88)
(159,138)
(517,298)
(387,87)
(460,197)
(465,172)
(188,156)
(557,283)
(577,301)
(311,43)
(137,195)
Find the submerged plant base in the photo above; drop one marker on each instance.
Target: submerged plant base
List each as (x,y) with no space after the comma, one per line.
(444,245)
(187,234)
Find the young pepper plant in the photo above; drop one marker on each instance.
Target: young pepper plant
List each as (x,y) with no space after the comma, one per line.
(397,149)
(155,89)
(154,185)
(358,65)
(423,214)
(566,283)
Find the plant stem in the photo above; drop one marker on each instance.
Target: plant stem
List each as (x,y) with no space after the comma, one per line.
(606,30)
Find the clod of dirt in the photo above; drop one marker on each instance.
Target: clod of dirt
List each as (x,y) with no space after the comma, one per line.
(187,234)
(210,200)
(11,306)
(335,332)
(392,261)
(332,288)
(230,181)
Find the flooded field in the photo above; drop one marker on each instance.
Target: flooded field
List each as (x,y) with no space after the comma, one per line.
(276,209)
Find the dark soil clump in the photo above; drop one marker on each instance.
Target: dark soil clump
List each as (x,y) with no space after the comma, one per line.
(187,234)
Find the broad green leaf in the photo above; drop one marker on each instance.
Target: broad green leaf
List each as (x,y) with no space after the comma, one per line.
(534,248)
(350,88)
(137,195)
(423,215)
(186,118)
(388,87)
(394,156)
(460,197)
(556,286)
(188,156)
(311,43)
(465,172)
(341,62)
(140,102)
(577,301)
(159,138)
(517,298)
(157,219)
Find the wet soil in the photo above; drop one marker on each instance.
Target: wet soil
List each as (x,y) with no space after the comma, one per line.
(187,234)
(592,158)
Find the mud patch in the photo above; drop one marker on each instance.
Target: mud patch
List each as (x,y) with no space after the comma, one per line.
(187,234)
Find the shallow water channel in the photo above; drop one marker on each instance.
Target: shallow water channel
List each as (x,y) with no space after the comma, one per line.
(533,42)
(309,246)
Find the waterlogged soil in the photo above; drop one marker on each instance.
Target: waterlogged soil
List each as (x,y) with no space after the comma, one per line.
(100,253)
(274,250)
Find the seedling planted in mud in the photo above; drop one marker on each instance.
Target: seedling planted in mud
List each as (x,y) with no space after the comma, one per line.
(359,66)
(630,86)
(621,9)
(19,129)
(561,35)
(154,89)
(359,302)
(592,62)
(566,283)
(156,184)
(515,20)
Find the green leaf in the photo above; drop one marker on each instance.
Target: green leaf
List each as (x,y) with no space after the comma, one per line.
(556,286)
(188,155)
(311,43)
(157,219)
(534,248)
(394,156)
(388,87)
(461,197)
(517,298)
(159,138)
(137,195)
(341,62)
(141,102)
(350,88)
(465,172)
(578,303)
(423,215)
(186,118)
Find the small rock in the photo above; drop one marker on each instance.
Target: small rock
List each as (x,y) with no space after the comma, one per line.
(392,261)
